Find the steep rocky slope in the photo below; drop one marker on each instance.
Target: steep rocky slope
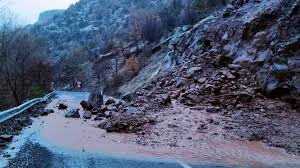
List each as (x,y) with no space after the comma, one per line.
(242,65)
(261,37)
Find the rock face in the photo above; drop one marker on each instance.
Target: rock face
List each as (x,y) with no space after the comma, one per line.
(248,55)
(73,114)
(259,35)
(48,16)
(266,39)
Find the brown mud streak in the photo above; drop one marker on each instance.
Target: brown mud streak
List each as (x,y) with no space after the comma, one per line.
(206,147)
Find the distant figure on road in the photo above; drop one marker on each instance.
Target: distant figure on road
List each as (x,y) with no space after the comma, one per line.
(78,84)
(52,87)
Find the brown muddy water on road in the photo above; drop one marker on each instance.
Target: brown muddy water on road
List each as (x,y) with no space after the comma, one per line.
(83,135)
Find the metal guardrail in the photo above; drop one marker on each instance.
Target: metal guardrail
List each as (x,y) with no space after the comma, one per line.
(10,113)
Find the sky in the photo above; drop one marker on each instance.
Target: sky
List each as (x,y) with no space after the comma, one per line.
(28,11)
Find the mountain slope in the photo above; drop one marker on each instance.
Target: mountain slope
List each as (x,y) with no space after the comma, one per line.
(88,23)
(241,64)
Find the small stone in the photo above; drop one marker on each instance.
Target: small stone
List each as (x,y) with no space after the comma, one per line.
(87,115)
(166,99)
(131,110)
(211,109)
(180,83)
(6,155)
(202,80)
(202,127)
(110,101)
(172,126)
(262,110)
(191,72)
(108,113)
(46,112)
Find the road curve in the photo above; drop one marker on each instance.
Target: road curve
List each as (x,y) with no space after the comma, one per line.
(32,150)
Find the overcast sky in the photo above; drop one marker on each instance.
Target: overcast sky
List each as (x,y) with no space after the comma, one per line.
(28,10)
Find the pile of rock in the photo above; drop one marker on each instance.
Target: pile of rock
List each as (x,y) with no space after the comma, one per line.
(113,115)
(15,125)
(236,66)
(125,123)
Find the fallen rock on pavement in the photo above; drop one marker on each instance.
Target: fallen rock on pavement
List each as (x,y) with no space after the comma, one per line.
(45,112)
(125,123)
(86,105)
(73,114)
(87,115)
(62,106)
(96,100)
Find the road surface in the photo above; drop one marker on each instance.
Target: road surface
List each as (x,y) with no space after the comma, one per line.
(54,141)
(63,148)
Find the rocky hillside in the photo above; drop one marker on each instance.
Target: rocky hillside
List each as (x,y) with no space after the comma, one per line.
(261,37)
(241,63)
(88,23)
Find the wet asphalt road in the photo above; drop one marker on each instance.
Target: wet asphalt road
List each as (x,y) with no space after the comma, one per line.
(37,156)
(32,150)
(35,152)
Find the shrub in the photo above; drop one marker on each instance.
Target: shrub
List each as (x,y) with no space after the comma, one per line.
(145,25)
(132,65)
(205,6)
(37,91)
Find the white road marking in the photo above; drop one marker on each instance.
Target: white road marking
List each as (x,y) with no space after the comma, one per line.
(184,165)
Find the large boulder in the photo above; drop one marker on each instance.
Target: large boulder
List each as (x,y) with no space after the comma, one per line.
(62,106)
(73,114)
(86,105)
(96,100)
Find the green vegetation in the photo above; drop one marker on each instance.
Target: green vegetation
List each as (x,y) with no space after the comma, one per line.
(37,91)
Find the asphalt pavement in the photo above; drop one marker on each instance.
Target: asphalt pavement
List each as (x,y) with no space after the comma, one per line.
(33,155)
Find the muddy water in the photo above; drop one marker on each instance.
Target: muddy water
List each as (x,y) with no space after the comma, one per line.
(81,135)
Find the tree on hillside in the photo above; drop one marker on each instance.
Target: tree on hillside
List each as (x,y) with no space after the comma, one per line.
(205,6)
(145,25)
(101,70)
